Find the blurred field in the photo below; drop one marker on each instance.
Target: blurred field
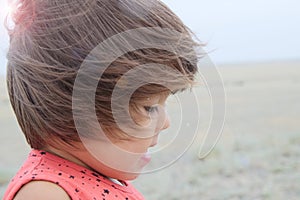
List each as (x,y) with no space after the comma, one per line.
(258,156)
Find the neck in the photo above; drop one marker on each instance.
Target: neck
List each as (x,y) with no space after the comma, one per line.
(66,155)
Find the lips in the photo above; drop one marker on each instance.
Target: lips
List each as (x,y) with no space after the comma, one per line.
(146,157)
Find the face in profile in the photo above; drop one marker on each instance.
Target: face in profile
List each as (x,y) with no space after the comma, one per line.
(124,159)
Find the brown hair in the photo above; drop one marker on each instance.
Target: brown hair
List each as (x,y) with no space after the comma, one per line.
(48,44)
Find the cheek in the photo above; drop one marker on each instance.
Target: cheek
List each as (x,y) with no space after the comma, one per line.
(123,156)
(143,127)
(139,146)
(139,117)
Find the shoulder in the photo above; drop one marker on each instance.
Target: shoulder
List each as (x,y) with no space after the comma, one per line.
(41,190)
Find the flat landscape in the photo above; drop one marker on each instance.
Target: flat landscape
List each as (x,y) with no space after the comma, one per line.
(257,156)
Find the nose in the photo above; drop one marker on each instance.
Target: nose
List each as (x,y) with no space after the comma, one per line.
(163,126)
(166,123)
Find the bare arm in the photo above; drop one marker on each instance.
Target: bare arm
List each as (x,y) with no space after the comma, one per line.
(37,190)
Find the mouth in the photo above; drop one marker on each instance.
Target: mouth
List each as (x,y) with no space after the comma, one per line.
(146,157)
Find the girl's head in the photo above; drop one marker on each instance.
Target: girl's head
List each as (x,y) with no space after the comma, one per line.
(51,39)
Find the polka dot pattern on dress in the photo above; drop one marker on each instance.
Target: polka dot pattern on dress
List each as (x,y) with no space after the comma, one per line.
(80,183)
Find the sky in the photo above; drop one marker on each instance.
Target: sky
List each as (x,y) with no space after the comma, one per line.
(235,31)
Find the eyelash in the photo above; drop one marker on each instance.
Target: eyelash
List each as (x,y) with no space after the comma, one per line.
(151,109)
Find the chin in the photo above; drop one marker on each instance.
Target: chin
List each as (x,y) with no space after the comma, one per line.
(125,176)
(131,177)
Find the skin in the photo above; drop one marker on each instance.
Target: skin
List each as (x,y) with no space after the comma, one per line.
(41,190)
(128,153)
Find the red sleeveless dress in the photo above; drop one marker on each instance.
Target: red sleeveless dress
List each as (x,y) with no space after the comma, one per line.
(78,182)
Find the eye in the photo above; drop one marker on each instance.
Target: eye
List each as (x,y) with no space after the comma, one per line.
(151,109)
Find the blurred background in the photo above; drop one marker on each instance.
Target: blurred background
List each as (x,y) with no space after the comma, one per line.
(235,31)
(256,47)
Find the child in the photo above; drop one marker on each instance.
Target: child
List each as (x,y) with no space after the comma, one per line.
(71,157)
